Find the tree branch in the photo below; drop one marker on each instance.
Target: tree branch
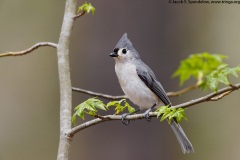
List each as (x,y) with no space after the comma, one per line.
(106,96)
(29,50)
(210,97)
(79,15)
(110,97)
(180,92)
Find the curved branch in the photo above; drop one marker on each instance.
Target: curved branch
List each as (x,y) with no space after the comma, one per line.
(106,118)
(79,15)
(210,97)
(26,51)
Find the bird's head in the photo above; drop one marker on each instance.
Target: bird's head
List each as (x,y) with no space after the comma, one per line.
(124,50)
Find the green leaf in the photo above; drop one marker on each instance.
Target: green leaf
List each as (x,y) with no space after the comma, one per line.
(90,107)
(130,108)
(98,104)
(212,83)
(178,114)
(171,113)
(91,113)
(220,75)
(222,66)
(114,103)
(223,79)
(87,7)
(120,106)
(161,110)
(198,66)
(119,109)
(74,119)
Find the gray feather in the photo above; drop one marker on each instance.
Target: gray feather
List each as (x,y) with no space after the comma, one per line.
(185,144)
(148,77)
(124,42)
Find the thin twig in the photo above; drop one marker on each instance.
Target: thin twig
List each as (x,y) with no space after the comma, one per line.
(221,92)
(79,15)
(110,97)
(185,90)
(221,96)
(210,97)
(26,51)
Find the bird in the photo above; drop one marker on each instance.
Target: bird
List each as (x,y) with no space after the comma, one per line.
(141,86)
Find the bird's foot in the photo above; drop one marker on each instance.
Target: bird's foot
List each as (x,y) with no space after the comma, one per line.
(125,121)
(146,115)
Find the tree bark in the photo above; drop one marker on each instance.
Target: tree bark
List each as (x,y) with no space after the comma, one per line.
(64,79)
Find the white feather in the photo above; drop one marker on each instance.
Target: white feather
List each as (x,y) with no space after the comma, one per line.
(134,88)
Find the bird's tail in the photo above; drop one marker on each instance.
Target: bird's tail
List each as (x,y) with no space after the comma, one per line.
(185,144)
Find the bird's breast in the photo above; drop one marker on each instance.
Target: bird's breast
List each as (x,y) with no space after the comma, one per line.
(134,88)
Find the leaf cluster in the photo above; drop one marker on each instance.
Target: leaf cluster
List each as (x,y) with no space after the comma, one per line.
(198,66)
(171,113)
(220,75)
(87,7)
(120,106)
(92,105)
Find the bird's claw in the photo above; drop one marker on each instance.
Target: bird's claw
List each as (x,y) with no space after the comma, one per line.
(146,115)
(124,121)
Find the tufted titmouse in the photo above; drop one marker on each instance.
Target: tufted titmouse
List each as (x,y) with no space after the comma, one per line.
(140,85)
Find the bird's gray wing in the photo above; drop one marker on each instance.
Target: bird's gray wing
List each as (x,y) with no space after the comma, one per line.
(148,77)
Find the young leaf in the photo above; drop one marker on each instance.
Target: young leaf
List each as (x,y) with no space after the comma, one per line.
(178,114)
(98,104)
(114,103)
(74,119)
(120,106)
(221,75)
(161,110)
(130,108)
(198,66)
(171,113)
(119,109)
(89,106)
(87,7)
(165,115)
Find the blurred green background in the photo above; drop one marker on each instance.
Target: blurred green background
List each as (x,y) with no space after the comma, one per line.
(162,33)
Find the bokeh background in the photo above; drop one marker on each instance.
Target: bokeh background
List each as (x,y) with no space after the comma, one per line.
(162,33)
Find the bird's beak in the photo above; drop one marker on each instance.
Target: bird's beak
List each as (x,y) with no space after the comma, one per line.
(113,54)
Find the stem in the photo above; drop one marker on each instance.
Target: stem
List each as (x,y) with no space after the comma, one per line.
(64,79)
(79,15)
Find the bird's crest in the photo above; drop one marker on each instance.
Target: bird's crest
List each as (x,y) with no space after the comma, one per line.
(124,42)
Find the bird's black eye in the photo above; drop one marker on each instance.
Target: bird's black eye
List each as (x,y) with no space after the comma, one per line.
(124,51)
(115,50)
